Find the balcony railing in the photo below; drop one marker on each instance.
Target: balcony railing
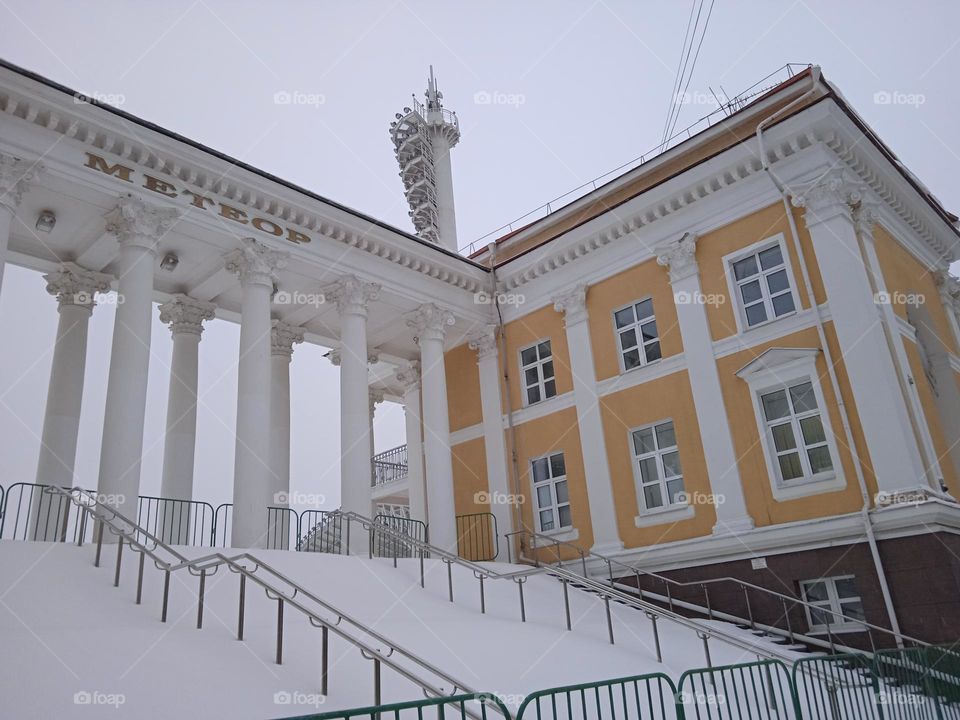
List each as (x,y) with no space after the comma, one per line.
(389,466)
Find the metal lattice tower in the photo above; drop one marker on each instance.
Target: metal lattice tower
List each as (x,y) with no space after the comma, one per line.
(422,136)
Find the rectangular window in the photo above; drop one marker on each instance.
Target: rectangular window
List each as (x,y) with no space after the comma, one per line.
(536,366)
(832,598)
(637,334)
(795,434)
(552,503)
(658,465)
(764,290)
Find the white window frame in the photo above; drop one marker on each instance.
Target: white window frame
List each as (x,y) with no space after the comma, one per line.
(733,285)
(832,603)
(641,346)
(669,511)
(538,364)
(552,483)
(779,368)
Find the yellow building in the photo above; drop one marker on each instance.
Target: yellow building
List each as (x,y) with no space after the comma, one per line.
(738,358)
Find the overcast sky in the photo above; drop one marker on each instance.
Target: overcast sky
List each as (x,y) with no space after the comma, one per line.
(549,94)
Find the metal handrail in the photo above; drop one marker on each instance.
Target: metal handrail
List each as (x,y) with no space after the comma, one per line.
(138,539)
(586,555)
(607,592)
(735,103)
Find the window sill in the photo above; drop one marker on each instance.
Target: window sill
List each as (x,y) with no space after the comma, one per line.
(661,516)
(563,535)
(627,371)
(746,329)
(828,482)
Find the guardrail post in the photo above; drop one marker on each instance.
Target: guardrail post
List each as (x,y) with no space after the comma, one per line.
(166,594)
(450,578)
(523,609)
(746,597)
(243,597)
(669,596)
(83,527)
(66,517)
(203,583)
(98,523)
(279,631)
(143,555)
(566,601)
(786,614)
(348,539)
(376,685)
(324,654)
(483,602)
(421,569)
(656,635)
(706,647)
(116,575)
(706,595)
(606,602)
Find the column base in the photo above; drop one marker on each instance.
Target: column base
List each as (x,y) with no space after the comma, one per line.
(732,527)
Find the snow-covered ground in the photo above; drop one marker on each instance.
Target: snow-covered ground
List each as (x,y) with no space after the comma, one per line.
(75,646)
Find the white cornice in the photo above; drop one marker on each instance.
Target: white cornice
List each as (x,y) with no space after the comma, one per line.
(151,151)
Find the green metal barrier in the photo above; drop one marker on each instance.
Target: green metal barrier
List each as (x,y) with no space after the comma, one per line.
(641,697)
(837,687)
(479,706)
(756,690)
(917,684)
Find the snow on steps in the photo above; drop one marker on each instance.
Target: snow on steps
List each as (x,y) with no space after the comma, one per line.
(67,630)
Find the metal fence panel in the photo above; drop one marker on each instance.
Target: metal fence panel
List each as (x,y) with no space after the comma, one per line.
(640,697)
(758,690)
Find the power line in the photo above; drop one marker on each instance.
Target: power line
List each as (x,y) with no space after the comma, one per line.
(703,34)
(681,63)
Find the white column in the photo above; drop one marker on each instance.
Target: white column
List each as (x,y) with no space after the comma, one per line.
(75,289)
(678,256)
(880,405)
(603,516)
(485,343)
(431,324)
(409,379)
(185,317)
(138,227)
(352,296)
(15,177)
(256,266)
(283,338)
(375,397)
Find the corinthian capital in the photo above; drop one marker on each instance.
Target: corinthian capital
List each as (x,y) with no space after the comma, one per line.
(74,285)
(573,304)
(351,294)
(408,377)
(253,262)
(484,341)
(831,193)
(430,321)
(185,315)
(949,288)
(133,221)
(15,177)
(679,256)
(283,337)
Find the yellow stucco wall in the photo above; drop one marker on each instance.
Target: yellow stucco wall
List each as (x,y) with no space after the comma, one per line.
(469,476)
(666,398)
(641,281)
(463,387)
(762,506)
(545,323)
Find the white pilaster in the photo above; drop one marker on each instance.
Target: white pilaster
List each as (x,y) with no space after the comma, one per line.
(185,317)
(75,289)
(501,505)
(352,295)
(603,516)
(409,379)
(879,403)
(15,177)
(138,227)
(678,256)
(949,288)
(431,324)
(256,266)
